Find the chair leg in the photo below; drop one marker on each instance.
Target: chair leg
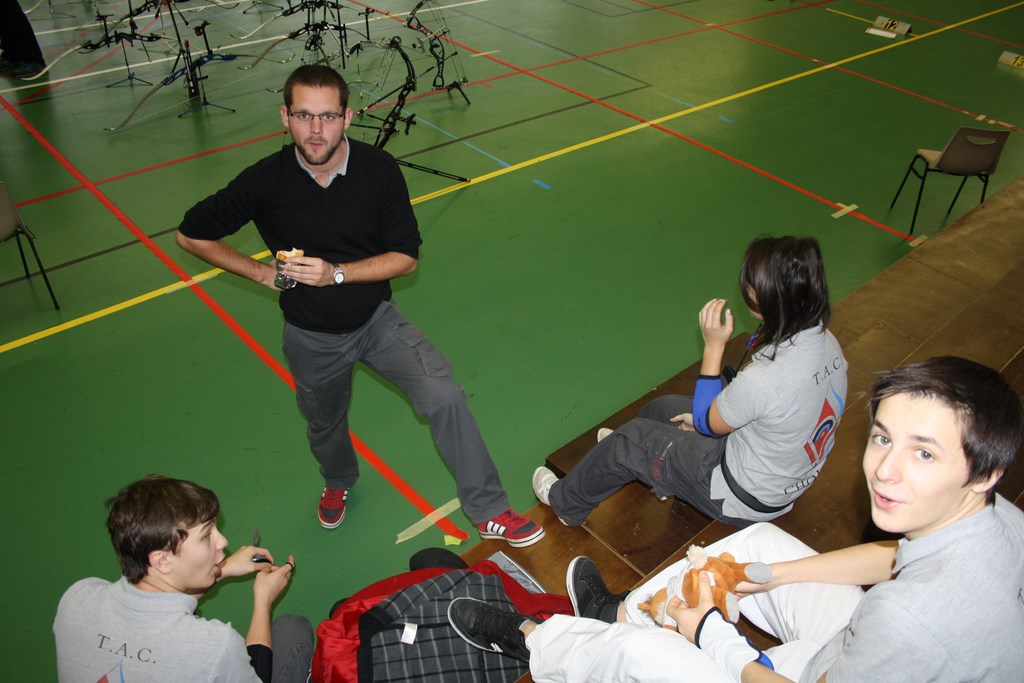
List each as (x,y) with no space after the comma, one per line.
(956,196)
(984,184)
(21,250)
(42,270)
(920,191)
(904,182)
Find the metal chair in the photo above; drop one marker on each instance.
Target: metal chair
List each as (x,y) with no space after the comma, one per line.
(971,152)
(11,225)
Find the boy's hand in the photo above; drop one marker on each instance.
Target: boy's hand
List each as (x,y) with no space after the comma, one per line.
(271,581)
(240,562)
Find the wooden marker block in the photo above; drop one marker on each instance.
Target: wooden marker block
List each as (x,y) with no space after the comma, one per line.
(881,32)
(1012,59)
(894,25)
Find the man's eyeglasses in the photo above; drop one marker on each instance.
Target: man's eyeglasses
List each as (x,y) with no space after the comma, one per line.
(327,118)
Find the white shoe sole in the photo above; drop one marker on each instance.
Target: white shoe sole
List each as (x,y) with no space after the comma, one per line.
(543,479)
(517,543)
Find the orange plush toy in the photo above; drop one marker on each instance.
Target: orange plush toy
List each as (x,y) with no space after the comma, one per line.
(724,572)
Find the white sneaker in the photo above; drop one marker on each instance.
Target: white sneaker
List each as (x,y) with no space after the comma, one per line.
(543,478)
(603,433)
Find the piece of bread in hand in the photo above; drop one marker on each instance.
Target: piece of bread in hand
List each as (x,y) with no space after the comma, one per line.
(285,255)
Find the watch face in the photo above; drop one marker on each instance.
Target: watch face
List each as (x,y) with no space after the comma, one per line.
(339,276)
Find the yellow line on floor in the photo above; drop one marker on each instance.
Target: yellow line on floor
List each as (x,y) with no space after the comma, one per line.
(50,331)
(103,312)
(515,167)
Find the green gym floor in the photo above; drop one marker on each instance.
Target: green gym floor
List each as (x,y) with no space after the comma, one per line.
(621,154)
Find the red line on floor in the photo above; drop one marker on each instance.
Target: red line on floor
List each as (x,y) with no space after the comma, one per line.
(412,496)
(151,245)
(404,488)
(620,48)
(190,157)
(724,155)
(704,146)
(146,169)
(788,184)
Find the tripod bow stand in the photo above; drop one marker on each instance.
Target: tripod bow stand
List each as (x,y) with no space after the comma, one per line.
(190,69)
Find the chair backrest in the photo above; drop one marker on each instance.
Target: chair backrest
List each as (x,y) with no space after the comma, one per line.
(9,218)
(972,151)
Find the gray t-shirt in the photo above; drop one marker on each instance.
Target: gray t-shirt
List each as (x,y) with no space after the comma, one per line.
(953,613)
(785,412)
(123,633)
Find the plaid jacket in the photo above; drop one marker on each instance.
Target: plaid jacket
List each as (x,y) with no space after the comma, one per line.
(362,640)
(437,653)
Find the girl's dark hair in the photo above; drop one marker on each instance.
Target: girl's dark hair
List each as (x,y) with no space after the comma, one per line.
(155,513)
(989,410)
(782,279)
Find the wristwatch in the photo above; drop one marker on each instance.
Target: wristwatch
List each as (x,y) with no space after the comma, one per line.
(339,274)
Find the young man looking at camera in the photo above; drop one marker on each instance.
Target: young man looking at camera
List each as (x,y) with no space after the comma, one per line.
(944,603)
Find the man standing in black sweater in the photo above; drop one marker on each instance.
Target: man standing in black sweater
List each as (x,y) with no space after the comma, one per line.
(345,204)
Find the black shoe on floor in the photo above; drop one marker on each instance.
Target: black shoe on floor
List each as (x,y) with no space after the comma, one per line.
(27,70)
(489,628)
(589,594)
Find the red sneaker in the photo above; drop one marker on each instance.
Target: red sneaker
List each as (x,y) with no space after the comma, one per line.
(331,509)
(512,527)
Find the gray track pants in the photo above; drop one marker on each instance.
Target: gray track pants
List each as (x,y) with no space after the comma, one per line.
(390,345)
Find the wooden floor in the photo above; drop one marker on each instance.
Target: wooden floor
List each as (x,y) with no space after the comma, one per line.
(956,294)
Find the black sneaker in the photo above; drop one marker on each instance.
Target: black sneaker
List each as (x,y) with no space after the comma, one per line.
(589,594)
(489,628)
(27,70)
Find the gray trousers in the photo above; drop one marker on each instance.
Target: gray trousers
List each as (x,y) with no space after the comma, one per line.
(292,638)
(650,449)
(390,345)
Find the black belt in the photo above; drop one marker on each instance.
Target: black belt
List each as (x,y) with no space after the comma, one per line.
(743,496)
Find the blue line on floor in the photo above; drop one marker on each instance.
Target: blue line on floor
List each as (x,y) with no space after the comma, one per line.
(473,147)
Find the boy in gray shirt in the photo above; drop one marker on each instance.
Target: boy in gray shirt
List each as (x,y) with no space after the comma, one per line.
(144,626)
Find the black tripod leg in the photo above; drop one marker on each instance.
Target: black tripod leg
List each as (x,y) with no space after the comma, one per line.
(434,171)
(456,85)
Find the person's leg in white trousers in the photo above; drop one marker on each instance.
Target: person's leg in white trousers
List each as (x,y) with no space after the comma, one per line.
(803,616)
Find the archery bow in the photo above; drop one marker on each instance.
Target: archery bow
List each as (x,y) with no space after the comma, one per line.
(190,69)
(389,122)
(436,47)
(313,26)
